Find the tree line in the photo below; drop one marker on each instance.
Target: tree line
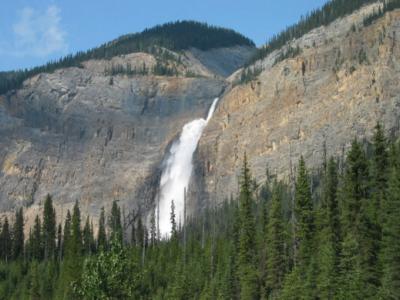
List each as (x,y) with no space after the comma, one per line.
(323,16)
(176,36)
(330,233)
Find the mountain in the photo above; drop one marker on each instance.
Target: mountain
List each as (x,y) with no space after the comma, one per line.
(176,36)
(100,130)
(340,84)
(95,126)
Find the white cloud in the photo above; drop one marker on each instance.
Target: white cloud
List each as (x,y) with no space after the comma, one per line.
(37,33)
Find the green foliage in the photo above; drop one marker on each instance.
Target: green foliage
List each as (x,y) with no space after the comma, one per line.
(245,248)
(323,16)
(275,244)
(246,260)
(390,251)
(305,227)
(110,275)
(388,6)
(101,235)
(6,242)
(176,36)
(18,235)
(115,222)
(249,74)
(49,228)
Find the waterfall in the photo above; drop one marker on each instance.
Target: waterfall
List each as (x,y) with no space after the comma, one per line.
(177,170)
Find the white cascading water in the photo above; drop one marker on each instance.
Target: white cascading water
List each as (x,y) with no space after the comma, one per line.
(176,173)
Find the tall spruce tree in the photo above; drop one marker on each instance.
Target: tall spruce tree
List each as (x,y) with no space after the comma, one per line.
(305,226)
(87,237)
(360,234)
(67,233)
(328,236)
(18,234)
(101,235)
(115,222)
(247,233)
(6,242)
(174,230)
(49,228)
(390,251)
(73,261)
(36,241)
(275,241)
(380,172)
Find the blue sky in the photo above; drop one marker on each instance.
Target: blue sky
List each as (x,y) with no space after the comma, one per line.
(35,31)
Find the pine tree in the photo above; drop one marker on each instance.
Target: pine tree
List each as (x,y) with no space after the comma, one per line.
(49,228)
(247,232)
(36,241)
(59,242)
(380,164)
(305,227)
(67,233)
(275,240)
(18,234)
(6,242)
(115,222)
(390,252)
(174,231)
(73,261)
(153,229)
(87,237)
(101,235)
(358,224)
(329,236)
(355,188)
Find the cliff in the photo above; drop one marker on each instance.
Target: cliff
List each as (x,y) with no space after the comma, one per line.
(82,134)
(342,83)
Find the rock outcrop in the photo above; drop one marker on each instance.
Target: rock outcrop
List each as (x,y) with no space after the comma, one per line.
(344,81)
(79,134)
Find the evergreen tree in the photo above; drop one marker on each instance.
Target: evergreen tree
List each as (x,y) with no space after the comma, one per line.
(247,232)
(380,164)
(305,226)
(115,222)
(18,234)
(36,241)
(67,232)
(87,237)
(358,224)
(355,187)
(174,231)
(6,242)
(329,236)
(101,235)
(49,228)
(59,242)
(153,229)
(275,241)
(73,261)
(390,252)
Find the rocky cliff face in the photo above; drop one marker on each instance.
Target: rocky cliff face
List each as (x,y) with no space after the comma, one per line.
(81,135)
(344,81)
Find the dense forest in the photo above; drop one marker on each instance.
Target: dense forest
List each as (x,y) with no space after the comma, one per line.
(329,233)
(176,36)
(323,16)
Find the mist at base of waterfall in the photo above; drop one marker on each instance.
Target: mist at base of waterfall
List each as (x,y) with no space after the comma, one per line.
(176,174)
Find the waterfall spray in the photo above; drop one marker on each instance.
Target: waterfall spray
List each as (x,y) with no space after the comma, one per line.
(177,170)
